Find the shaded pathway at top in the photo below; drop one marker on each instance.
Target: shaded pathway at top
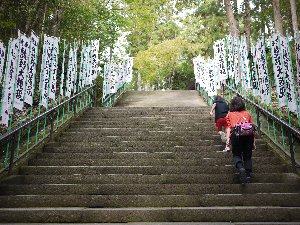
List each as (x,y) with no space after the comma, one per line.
(176,98)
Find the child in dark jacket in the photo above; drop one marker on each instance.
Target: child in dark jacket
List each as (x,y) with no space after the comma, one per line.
(221,109)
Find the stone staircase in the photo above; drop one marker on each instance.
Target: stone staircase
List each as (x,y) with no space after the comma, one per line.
(147,164)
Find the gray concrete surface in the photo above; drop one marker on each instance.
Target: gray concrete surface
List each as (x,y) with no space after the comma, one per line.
(180,98)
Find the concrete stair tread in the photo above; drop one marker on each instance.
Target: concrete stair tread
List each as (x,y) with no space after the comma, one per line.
(150,179)
(162,214)
(149,155)
(144,162)
(147,189)
(146,169)
(115,201)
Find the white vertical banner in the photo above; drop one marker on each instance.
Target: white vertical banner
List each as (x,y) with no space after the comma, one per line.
(70,75)
(113,78)
(237,78)
(89,70)
(46,69)
(34,42)
(219,58)
(244,62)
(2,58)
(106,80)
(53,68)
(10,77)
(230,56)
(263,73)
(297,48)
(210,70)
(129,69)
(86,66)
(21,72)
(254,75)
(278,70)
(80,78)
(75,82)
(288,75)
(94,58)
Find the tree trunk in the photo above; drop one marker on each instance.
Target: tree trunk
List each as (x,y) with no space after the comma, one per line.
(248,25)
(294,18)
(232,21)
(58,17)
(277,17)
(139,82)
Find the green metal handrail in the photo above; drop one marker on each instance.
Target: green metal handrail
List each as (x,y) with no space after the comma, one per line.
(55,117)
(111,99)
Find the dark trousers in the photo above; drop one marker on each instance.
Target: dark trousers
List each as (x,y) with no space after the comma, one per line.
(242,151)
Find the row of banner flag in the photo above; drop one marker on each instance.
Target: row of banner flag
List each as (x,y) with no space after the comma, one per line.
(116,74)
(233,62)
(19,63)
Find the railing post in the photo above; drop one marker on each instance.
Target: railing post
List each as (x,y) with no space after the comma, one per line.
(12,152)
(258,120)
(95,95)
(51,124)
(291,143)
(74,102)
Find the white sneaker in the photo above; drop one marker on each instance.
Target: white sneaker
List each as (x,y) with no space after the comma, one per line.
(227,149)
(223,137)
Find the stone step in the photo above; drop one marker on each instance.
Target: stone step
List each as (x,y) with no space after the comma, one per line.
(125,130)
(146,152)
(149,123)
(153,126)
(128,132)
(140,144)
(224,178)
(118,201)
(162,214)
(149,119)
(146,189)
(94,137)
(145,162)
(147,170)
(149,109)
(199,156)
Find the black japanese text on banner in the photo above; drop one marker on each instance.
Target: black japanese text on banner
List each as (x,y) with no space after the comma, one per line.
(2,58)
(254,74)
(94,58)
(230,56)
(70,75)
(288,75)
(237,78)
(53,70)
(46,69)
(219,57)
(10,77)
(297,48)
(263,73)
(21,72)
(29,91)
(278,70)
(245,70)
(210,70)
